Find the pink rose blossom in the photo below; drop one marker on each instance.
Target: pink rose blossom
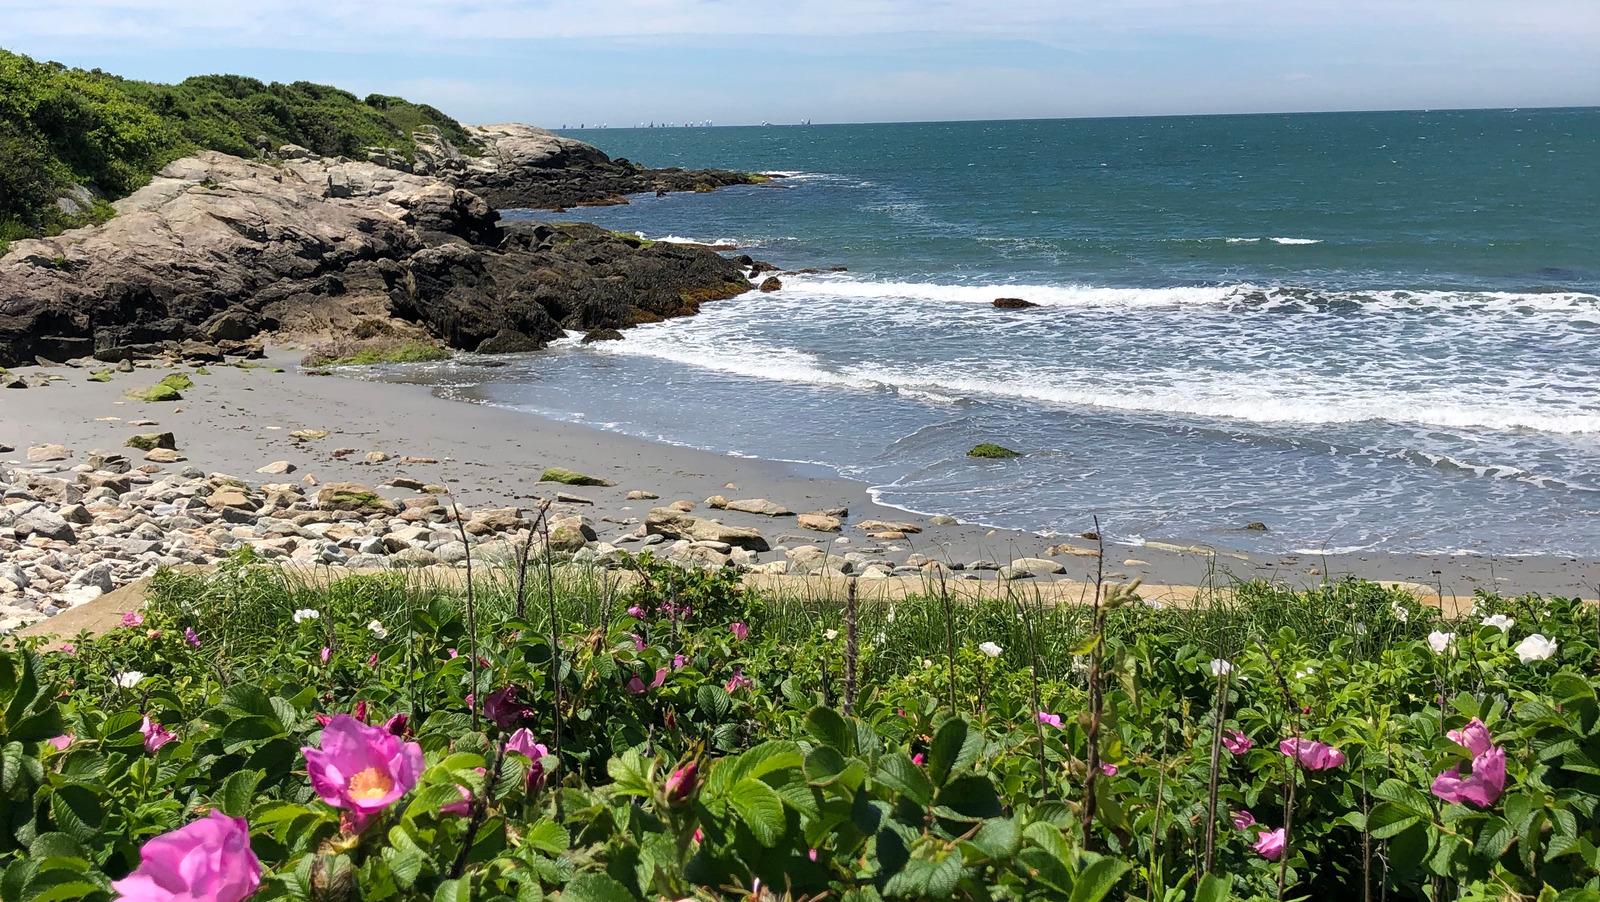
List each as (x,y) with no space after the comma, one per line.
(1243,820)
(638,642)
(740,630)
(372,660)
(1483,786)
(636,612)
(1109,770)
(678,661)
(326,654)
(1236,742)
(636,685)
(207,859)
(739,681)
(396,725)
(192,637)
(681,783)
(453,653)
(1311,754)
(67,648)
(61,742)
(523,744)
(155,735)
(1271,844)
(361,769)
(918,758)
(1054,720)
(133,618)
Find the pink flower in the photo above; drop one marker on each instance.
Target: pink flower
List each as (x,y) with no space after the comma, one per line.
(372,660)
(133,618)
(1474,736)
(739,681)
(67,648)
(1311,754)
(155,735)
(361,711)
(61,742)
(740,630)
(681,783)
(1054,720)
(636,685)
(812,854)
(1236,742)
(1109,770)
(1271,844)
(153,634)
(453,653)
(636,612)
(326,653)
(1243,820)
(361,769)
(1483,786)
(918,758)
(396,725)
(678,661)
(522,743)
(207,859)
(638,642)
(461,808)
(192,637)
(503,708)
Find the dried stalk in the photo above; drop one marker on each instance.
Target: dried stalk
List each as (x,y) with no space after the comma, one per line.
(851,648)
(1219,715)
(472,613)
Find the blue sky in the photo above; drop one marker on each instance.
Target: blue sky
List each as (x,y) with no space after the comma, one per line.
(621,62)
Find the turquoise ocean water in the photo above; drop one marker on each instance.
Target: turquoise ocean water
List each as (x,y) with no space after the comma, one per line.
(1368,331)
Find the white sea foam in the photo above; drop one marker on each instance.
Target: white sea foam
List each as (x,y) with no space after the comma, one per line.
(1295,240)
(679,239)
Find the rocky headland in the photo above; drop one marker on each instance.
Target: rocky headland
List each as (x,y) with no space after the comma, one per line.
(218,250)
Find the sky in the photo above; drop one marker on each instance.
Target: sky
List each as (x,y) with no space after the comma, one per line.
(559,63)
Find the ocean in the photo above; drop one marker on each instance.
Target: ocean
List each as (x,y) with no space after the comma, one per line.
(1367,331)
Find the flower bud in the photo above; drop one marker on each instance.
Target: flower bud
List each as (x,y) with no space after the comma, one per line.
(682,782)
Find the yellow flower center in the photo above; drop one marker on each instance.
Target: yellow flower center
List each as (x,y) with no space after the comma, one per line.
(370,784)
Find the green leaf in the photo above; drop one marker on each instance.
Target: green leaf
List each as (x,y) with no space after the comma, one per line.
(768,757)
(1098,879)
(898,773)
(924,879)
(823,765)
(714,701)
(760,808)
(237,792)
(1213,889)
(77,810)
(946,749)
(998,838)
(547,836)
(1406,796)
(1495,838)
(1388,819)
(593,887)
(969,797)
(829,728)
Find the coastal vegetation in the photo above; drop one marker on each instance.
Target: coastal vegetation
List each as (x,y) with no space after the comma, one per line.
(676,735)
(992,451)
(381,352)
(88,135)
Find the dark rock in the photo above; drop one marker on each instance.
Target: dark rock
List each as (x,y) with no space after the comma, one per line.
(1013,303)
(771,284)
(594,335)
(1256,527)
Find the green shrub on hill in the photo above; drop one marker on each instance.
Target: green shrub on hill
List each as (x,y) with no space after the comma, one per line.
(61,127)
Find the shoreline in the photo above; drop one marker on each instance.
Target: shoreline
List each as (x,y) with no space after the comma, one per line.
(236,420)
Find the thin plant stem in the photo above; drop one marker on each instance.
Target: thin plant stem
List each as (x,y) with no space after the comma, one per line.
(543,525)
(472,614)
(1219,715)
(851,648)
(949,637)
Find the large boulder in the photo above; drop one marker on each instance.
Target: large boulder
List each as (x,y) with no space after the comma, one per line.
(355,498)
(675,524)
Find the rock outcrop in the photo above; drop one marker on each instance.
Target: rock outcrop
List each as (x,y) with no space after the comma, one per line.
(216,250)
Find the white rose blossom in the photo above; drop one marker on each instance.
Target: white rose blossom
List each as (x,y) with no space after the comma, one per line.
(1440,641)
(1220,667)
(1535,648)
(831,635)
(304,614)
(990,649)
(1499,621)
(128,679)
(377,629)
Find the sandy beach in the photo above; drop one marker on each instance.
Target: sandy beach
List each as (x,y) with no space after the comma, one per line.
(236,420)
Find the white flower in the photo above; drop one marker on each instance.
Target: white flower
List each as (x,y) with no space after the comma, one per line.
(1304,672)
(1499,620)
(1220,667)
(304,614)
(128,680)
(831,635)
(1535,648)
(990,649)
(879,639)
(377,629)
(890,618)
(1153,605)
(1400,612)
(927,664)
(1439,641)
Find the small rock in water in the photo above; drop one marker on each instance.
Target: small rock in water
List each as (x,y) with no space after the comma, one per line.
(1013,303)
(1257,526)
(278,468)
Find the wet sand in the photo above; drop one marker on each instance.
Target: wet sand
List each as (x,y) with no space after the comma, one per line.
(236,420)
